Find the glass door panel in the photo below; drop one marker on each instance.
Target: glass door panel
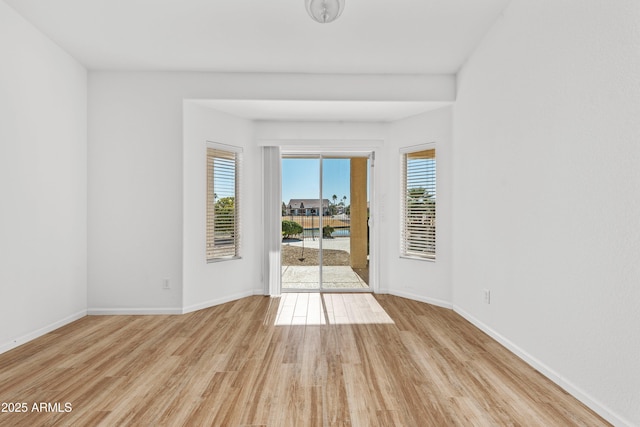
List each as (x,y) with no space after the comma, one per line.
(300,248)
(344,235)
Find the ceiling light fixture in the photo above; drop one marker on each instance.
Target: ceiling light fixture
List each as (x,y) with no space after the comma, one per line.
(324,11)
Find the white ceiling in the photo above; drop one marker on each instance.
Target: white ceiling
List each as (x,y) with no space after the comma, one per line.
(371,37)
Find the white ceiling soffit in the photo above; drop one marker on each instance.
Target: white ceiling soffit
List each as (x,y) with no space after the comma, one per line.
(325,111)
(371,36)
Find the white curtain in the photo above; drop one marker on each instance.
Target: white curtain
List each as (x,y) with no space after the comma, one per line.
(272,204)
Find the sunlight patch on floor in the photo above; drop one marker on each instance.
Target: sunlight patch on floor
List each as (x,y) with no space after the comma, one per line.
(308,309)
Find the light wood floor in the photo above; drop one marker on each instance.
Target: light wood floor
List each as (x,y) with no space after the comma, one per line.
(305,359)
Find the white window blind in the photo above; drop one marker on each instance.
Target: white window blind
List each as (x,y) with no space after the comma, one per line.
(418,232)
(223,203)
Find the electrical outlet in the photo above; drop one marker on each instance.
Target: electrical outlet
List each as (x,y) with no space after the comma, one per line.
(166,284)
(487,296)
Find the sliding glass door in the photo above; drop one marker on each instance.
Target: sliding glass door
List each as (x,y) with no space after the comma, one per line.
(325,223)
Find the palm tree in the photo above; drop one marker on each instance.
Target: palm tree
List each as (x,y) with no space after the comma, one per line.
(334,208)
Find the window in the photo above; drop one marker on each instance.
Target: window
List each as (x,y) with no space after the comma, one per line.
(418,232)
(223,202)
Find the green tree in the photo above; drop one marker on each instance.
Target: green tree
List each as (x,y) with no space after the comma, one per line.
(224,214)
(421,209)
(290,228)
(419,199)
(327,230)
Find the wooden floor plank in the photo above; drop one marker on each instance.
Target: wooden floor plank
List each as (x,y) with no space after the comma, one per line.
(300,360)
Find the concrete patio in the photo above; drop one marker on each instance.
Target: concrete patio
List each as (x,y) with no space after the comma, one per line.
(333,277)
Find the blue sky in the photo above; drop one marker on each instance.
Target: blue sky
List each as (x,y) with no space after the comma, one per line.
(300,179)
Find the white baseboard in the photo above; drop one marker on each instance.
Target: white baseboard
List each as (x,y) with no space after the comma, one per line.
(42,331)
(432,301)
(545,370)
(219,301)
(131,311)
(96,311)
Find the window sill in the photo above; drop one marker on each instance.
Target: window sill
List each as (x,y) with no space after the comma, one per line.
(417,258)
(213,261)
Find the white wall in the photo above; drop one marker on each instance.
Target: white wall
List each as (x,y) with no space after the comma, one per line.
(136,170)
(43,226)
(334,134)
(214,283)
(135,195)
(428,281)
(547,194)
